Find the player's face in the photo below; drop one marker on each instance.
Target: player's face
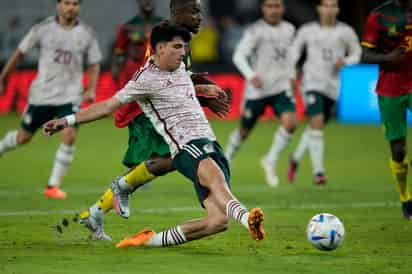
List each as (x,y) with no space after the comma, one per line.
(68,9)
(145,6)
(190,16)
(328,10)
(172,53)
(273,11)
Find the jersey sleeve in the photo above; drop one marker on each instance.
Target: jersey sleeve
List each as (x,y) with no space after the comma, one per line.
(353,47)
(30,40)
(371,31)
(121,41)
(94,54)
(133,91)
(243,51)
(296,50)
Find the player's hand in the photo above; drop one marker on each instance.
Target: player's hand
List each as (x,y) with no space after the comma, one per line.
(214,98)
(396,56)
(89,96)
(339,65)
(257,82)
(54,126)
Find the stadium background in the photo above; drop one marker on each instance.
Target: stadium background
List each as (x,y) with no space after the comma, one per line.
(212,48)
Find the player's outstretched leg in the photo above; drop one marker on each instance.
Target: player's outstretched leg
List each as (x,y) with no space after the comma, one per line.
(220,205)
(14,139)
(62,162)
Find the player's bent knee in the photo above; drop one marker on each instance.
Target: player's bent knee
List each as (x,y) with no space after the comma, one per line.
(160,166)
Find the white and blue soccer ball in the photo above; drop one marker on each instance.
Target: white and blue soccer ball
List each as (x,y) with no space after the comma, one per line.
(325,231)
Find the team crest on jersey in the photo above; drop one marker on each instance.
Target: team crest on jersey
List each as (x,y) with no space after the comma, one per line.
(208,148)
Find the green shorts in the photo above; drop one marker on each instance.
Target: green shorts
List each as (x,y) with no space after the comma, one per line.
(35,116)
(144,142)
(316,103)
(393,115)
(188,159)
(253,109)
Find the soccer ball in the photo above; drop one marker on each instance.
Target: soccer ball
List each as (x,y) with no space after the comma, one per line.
(325,231)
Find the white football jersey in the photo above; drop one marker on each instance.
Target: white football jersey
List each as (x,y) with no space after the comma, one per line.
(60,67)
(263,52)
(324,46)
(169,100)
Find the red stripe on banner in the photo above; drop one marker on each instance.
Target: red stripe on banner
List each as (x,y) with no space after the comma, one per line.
(18,85)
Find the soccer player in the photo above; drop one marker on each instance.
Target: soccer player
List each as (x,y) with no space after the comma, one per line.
(387,41)
(261,57)
(57,90)
(131,43)
(164,90)
(148,155)
(330,45)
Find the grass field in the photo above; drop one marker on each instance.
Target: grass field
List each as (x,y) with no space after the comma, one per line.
(360,191)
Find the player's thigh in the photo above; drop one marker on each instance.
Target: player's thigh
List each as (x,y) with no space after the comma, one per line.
(34,117)
(393,112)
(317,107)
(283,106)
(187,163)
(252,110)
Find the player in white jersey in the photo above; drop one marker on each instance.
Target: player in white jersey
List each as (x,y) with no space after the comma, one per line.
(330,45)
(57,90)
(164,90)
(262,58)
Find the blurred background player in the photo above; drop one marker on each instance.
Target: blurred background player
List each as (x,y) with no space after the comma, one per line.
(387,41)
(330,45)
(148,155)
(131,43)
(262,58)
(57,90)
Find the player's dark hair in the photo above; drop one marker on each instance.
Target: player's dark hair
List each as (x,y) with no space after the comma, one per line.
(175,5)
(165,32)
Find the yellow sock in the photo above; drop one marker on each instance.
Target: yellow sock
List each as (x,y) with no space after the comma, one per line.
(400,174)
(139,176)
(106,201)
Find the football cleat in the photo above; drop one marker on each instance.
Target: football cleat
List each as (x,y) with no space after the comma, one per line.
(54,193)
(320,179)
(140,239)
(95,226)
(120,199)
(407,210)
(255,222)
(271,178)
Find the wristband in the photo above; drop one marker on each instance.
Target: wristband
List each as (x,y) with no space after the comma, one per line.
(71,120)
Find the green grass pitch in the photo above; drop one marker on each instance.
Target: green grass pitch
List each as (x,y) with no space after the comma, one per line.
(360,192)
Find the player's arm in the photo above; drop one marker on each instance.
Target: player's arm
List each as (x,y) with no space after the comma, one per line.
(29,41)
(353,48)
(294,54)
(93,72)
(132,92)
(370,53)
(241,55)
(10,66)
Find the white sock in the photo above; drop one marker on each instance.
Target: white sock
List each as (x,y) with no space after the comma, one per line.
(124,185)
(302,146)
(62,162)
(238,212)
(280,141)
(235,141)
(170,237)
(316,149)
(96,212)
(9,142)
